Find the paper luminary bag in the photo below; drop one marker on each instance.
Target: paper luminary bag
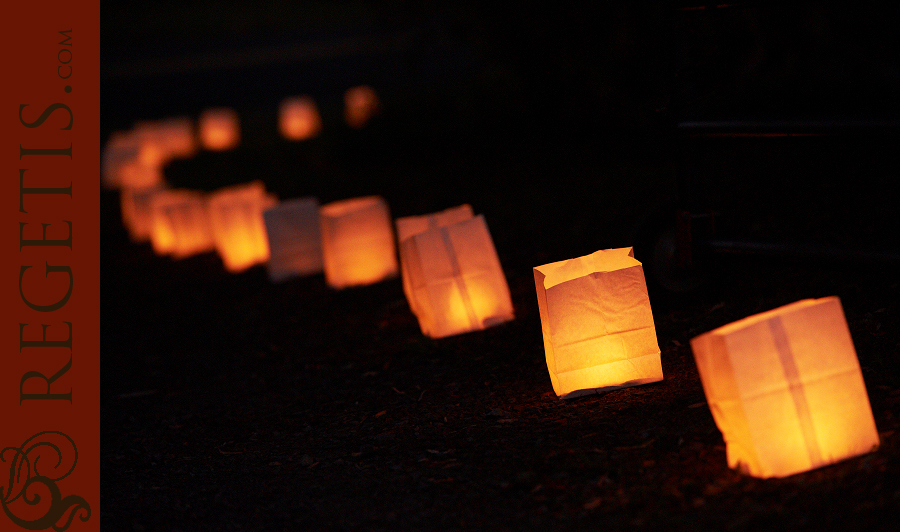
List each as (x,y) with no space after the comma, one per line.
(163,140)
(135,158)
(597,323)
(126,162)
(180,223)
(134,174)
(236,219)
(410,225)
(298,118)
(453,276)
(178,136)
(360,105)
(121,150)
(357,242)
(220,129)
(295,242)
(785,389)
(137,217)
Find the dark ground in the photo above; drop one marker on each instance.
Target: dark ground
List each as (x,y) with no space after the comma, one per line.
(230,403)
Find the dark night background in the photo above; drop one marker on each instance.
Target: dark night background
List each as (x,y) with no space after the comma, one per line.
(230,403)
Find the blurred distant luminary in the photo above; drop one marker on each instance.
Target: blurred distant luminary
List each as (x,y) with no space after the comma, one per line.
(220,129)
(236,219)
(357,242)
(298,118)
(137,216)
(597,323)
(360,105)
(786,390)
(451,272)
(133,161)
(295,242)
(180,223)
(163,140)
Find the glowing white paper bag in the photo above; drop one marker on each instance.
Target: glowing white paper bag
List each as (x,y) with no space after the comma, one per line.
(236,218)
(597,323)
(785,389)
(134,174)
(455,280)
(295,242)
(357,242)
(137,216)
(163,140)
(180,223)
(408,226)
(121,149)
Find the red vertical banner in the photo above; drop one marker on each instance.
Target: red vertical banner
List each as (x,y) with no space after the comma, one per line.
(50,267)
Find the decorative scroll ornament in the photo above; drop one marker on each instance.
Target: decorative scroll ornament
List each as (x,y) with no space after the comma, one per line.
(31,497)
